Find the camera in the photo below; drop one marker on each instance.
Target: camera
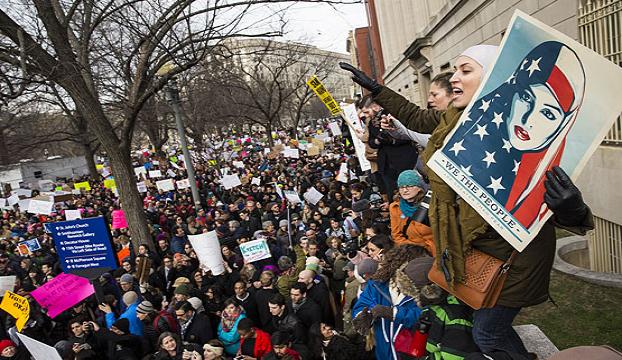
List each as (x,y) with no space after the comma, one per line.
(421,214)
(351,247)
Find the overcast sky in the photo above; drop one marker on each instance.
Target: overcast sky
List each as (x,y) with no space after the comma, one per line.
(324,26)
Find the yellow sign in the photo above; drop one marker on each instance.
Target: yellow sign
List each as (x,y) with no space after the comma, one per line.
(18,307)
(110,184)
(82,185)
(318,88)
(99,166)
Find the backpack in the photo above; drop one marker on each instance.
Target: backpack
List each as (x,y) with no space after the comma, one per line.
(169,319)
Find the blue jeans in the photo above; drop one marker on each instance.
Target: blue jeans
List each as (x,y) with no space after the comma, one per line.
(492,330)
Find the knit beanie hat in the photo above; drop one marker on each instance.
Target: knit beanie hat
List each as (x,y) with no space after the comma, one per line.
(283,223)
(367,266)
(122,324)
(409,178)
(130,297)
(197,304)
(285,263)
(183,289)
(417,270)
(145,307)
(5,344)
(127,278)
(483,54)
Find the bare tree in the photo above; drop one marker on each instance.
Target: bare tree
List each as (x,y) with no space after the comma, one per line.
(156,120)
(106,53)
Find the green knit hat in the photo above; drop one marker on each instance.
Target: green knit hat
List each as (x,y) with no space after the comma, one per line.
(409,178)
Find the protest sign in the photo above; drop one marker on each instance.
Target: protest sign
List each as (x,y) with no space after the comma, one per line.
(238,164)
(547,101)
(175,166)
(24,204)
(46,185)
(141,186)
(343,173)
(319,143)
(183,184)
(313,150)
(292,196)
(207,248)
(291,153)
(99,166)
(110,184)
(231,181)
(23,192)
(313,196)
(279,191)
(165,185)
(318,88)
(170,173)
(140,170)
(84,246)
(256,181)
(62,292)
(255,250)
(7,283)
(349,112)
(72,214)
(118,219)
(39,350)
(4,205)
(12,200)
(105,172)
(82,185)
(155,174)
(155,162)
(40,207)
(17,306)
(335,129)
(29,246)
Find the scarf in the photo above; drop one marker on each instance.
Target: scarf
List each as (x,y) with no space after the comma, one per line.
(295,306)
(408,208)
(228,321)
(452,236)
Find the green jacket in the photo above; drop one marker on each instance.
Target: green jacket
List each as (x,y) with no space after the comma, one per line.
(285,282)
(456,226)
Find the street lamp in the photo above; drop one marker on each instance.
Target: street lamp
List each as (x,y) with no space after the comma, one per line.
(172,95)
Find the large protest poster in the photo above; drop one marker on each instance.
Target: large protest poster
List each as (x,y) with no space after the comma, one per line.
(548,101)
(207,247)
(62,292)
(165,185)
(349,112)
(39,350)
(7,283)
(118,219)
(17,306)
(40,207)
(231,181)
(255,250)
(73,214)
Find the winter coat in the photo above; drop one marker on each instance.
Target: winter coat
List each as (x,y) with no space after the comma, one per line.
(308,313)
(417,233)
(199,331)
(250,307)
(231,338)
(386,330)
(262,344)
(136,327)
(291,324)
(285,282)
(340,348)
(453,219)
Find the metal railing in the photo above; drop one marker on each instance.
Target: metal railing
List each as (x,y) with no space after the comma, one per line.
(605,246)
(600,29)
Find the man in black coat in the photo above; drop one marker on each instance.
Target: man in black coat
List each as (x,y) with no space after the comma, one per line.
(262,297)
(318,292)
(306,309)
(247,301)
(195,327)
(285,321)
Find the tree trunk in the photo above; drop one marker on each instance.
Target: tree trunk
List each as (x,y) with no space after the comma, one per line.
(89,155)
(120,160)
(268,127)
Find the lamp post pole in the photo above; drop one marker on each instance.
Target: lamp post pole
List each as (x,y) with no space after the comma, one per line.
(172,93)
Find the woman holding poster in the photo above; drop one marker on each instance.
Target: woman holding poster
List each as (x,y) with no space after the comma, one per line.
(456,226)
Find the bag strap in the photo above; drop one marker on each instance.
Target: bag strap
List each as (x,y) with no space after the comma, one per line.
(506,266)
(387,297)
(405,228)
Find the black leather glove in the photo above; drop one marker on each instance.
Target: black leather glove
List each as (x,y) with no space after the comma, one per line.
(362,322)
(362,79)
(563,198)
(382,311)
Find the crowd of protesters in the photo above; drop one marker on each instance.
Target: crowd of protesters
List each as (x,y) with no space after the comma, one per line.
(347,276)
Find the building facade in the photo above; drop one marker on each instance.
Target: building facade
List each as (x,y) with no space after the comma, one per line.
(421,38)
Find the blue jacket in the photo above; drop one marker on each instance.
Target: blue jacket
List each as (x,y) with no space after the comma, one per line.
(406,314)
(136,326)
(231,339)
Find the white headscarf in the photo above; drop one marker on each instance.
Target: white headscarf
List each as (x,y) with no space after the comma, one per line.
(482,54)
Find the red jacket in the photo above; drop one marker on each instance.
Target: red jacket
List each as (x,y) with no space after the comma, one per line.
(262,344)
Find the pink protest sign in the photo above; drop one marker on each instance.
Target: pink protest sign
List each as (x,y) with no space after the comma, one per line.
(118,219)
(62,292)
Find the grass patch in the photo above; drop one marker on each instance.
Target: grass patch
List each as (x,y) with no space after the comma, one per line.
(588,314)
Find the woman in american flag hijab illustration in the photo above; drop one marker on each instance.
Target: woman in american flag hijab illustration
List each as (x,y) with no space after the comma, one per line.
(515,133)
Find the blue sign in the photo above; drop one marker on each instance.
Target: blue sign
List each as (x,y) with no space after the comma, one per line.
(83,246)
